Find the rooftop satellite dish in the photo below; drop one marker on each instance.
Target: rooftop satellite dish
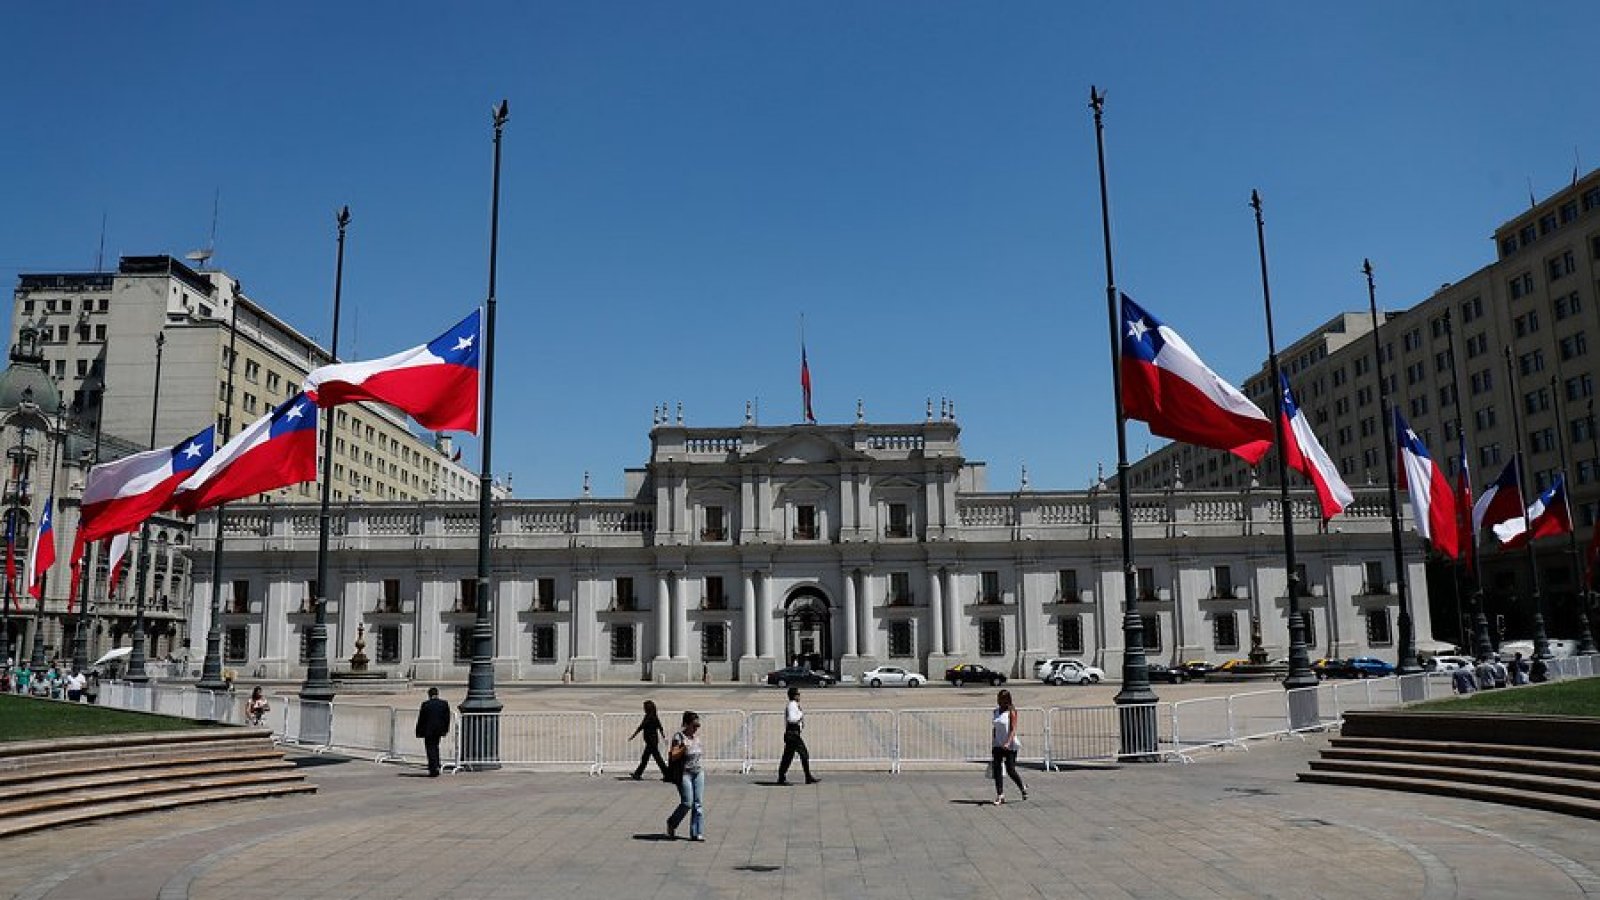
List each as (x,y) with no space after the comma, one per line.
(199,256)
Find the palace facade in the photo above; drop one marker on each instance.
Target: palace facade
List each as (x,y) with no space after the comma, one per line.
(737,550)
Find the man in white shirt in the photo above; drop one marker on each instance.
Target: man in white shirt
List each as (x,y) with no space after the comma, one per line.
(75,683)
(793,743)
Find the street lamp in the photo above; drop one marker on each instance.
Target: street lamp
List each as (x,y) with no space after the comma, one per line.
(17,496)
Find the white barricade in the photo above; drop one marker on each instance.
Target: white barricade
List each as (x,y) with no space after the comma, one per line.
(963,735)
(306,722)
(858,736)
(1259,714)
(1202,722)
(563,740)
(363,729)
(722,735)
(1090,733)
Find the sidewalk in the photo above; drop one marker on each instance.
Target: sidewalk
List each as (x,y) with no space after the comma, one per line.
(1231,825)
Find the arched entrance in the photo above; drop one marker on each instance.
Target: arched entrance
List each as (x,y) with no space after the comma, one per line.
(807,629)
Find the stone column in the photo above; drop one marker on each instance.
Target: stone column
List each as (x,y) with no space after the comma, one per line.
(663,618)
(935,613)
(953,640)
(680,619)
(850,633)
(764,614)
(747,616)
(867,637)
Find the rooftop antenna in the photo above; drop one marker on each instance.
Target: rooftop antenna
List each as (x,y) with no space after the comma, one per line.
(201,257)
(100,255)
(1577,163)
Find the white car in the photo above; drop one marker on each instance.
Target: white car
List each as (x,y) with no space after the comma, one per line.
(892,675)
(1444,665)
(1043,668)
(1071,671)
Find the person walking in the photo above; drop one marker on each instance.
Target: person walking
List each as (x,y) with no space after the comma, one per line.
(1006,745)
(1519,670)
(433,723)
(650,728)
(793,744)
(257,708)
(685,754)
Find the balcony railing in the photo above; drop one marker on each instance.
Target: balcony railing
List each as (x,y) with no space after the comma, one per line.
(542,604)
(717,602)
(1376,589)
(465,605)
(990,599)
(897,531)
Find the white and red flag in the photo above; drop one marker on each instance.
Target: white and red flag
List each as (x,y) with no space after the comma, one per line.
(1501,501)
(116,552)
(1304,453)
(43,554)
(436,383)
(1165,385)
(1433,502)
(277,449)
(120,494)
(1549,515)
(805,384)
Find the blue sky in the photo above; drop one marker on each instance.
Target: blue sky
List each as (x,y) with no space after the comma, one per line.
(683,180)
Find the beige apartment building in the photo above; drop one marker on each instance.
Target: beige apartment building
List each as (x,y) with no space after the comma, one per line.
(1538,298)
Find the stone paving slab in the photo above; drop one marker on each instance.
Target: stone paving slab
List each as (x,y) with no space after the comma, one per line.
(1230,825)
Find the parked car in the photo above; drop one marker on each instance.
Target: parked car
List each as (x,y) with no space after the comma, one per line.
(1169,674)
(1071,671)
(1198,668)
(1368,667)
(892,675)
(799,675)
(1042,668)
(967,673)
(1331,667)
(1228,665)
(1444,665)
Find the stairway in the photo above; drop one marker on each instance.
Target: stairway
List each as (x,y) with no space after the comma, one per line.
(1533,762)
(45,784)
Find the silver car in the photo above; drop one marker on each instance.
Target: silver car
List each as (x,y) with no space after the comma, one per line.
(892,675)
(1071,671)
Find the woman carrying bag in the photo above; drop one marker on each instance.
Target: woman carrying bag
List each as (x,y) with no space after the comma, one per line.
(1006,746)
(683,765)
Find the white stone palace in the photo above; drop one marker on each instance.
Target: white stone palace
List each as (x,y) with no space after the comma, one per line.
(737,550)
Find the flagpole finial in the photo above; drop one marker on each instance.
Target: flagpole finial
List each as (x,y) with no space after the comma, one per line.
(1024,483)
(1366,268)
(586,491)
(680,412)
(501,114)
(861,411)
(749,418)
(343,216)
(1097,100)
(1255,202)
(930,409)
(952,410)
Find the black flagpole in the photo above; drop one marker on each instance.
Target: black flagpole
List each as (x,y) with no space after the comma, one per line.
(211,671)
(80,636)
(136,660)
(1300,674)
(1586,610)
(480,748)
(1585,636)
(1541,642)
(1482,646)
(318,687)
(1137,698)
(37,662)
(1407,663)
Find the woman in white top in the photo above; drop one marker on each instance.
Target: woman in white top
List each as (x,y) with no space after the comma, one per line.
(685,757)
(1006,746)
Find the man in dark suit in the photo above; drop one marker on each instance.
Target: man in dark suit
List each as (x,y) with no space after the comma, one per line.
(433,723)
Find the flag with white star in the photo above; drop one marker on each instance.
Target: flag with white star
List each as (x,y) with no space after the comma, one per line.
(436,383)
(277,450)
(119,495)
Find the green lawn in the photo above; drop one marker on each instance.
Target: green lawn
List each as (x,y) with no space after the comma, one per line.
(25,719)
(1577,697)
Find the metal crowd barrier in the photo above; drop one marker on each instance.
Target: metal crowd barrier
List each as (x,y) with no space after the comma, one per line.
(364,729)
(1094,733)
(562,739)
(858,736)
(964,735)
(722,733)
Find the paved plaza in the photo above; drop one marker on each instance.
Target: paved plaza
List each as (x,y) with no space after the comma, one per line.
(1232,824)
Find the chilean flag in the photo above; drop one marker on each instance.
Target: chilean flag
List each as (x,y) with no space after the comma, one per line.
(1304,453)
(121,494)
(1502,501)
(436,383)
(1432,501)
(805,384)
(1466,535)
(11,553)
(279,449)
(1548,516)
(43,554)
(117,550)
(1167,386)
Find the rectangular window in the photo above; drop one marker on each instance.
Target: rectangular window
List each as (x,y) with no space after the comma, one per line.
(1225,631)
(623,597)
(622,643)
(1308,620)
(899,521)
(1561,266)
(1067,586)
(1152,632)
(900,639)
(389,644)
(991,637)
(714,642)
(1222,582)
(1488,454)
(1373,581)
(989,587)
(1069,635)
(1527,323)
(1529,363)
(805,523)
(544,643)
(544,595)
(1573,346)
(716,528)
(1536,401)
(1378,633)
(252,370)
(463,645)
(467,595)
(237,648)
(1147,584)
(391,595)
(240,601)
(1521,285)
(716,597)
(900,589)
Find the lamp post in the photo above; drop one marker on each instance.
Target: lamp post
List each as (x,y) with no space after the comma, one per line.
(1580,576)
(1541,641)
(21,461)
(211,669)
(80,636)
(136,660)
(37,662)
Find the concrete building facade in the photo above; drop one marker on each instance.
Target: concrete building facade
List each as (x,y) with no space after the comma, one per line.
(736,550)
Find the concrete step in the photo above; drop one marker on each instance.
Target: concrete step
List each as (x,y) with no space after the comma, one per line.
(26,822)
(1530,783)
(1510,751)
(15,755)
(65,782)
(1568,770)
(1572,806)
(75,764)
(95,797)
